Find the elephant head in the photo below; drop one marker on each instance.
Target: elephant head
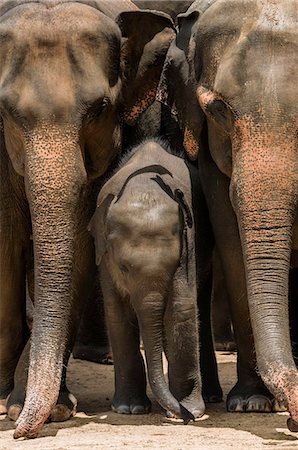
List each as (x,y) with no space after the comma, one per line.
(69,75)
(143,231)
(236,62)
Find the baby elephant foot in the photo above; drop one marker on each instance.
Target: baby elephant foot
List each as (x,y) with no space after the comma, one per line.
(250,398)
(65,407)
(138,404)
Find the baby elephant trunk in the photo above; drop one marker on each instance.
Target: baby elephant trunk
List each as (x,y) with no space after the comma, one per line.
(150,316)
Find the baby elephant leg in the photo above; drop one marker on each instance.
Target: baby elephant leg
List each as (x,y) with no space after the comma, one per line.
(182,346)
(130,378)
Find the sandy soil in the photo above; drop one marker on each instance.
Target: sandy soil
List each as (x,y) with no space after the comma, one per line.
(96,427)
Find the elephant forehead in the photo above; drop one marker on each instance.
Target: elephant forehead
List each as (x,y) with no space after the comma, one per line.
(70,14)
(144,211)
(76,28)
(50,59)
(248,53)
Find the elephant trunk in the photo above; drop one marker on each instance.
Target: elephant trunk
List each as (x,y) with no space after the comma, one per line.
(264,191)
(150,316)
(54,179)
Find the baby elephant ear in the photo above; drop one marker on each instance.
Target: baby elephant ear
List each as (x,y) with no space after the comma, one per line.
(146,39)
(97,227)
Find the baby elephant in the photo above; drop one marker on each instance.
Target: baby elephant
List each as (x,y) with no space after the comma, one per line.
(144,235)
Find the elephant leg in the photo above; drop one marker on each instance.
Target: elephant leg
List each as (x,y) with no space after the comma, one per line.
(92,343)
(220,310)
(130,378)
(211,389)
(66,403)
(84,274)
(249,394)
(16,399)
(13,327)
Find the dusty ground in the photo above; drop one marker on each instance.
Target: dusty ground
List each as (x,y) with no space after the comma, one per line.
(96,427)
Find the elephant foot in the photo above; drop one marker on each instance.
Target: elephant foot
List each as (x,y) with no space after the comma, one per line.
(292,425)
(139,404)
(14,411)
(212,393)
(65,407)
(278,406)
(250,398)
(3,408)
(15,402)
(99,355)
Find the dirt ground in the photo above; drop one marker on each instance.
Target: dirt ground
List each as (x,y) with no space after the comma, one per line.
(96,427)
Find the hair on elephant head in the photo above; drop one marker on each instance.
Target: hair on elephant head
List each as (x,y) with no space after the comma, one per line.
(143,231)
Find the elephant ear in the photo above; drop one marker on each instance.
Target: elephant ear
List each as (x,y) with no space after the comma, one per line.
(97,227)
(146,38)
(177,84)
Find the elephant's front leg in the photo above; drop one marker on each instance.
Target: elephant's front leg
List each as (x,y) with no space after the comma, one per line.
(182,345)
(130,378)
(13,329)
(92,343)
(14,235)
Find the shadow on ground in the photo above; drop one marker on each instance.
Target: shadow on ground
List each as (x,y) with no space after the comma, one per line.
(92,384)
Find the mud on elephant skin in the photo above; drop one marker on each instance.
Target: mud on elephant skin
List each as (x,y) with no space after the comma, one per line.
(66,85)
(235,105)
(144,238)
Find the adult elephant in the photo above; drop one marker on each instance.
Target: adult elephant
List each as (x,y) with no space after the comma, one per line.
(229,78)
(66,85)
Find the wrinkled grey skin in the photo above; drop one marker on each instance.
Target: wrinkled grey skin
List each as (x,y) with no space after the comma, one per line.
(235,65)
(66,85)
(145,246)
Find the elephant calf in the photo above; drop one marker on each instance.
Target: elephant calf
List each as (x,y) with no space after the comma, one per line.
(144,237)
